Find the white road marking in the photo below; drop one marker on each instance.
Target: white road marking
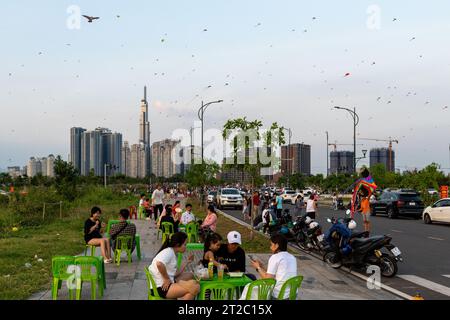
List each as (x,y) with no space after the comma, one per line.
(397,231)
(426,283)
(440,239)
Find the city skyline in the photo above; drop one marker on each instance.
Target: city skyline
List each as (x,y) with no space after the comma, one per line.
(274,63)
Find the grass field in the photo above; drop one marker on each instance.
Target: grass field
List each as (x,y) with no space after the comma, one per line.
(57,237)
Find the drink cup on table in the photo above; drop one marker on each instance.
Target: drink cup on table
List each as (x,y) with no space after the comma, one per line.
(220,271)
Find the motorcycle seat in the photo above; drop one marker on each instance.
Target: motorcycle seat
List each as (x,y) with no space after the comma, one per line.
(363,241)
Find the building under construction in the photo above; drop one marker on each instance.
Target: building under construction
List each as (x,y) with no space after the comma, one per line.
(381,155)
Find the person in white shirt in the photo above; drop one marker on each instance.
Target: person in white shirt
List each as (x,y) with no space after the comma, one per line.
(311,207)
(187,216)
(282,266)
(157,201)
(170,282)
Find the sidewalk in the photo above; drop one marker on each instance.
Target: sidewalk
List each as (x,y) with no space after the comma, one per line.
(128,282)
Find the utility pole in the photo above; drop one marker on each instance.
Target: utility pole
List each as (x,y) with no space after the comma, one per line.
(355,123)
(328,172)
(200,113)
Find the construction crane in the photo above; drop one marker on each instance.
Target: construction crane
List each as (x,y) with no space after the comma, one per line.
(335,144)
(390,140)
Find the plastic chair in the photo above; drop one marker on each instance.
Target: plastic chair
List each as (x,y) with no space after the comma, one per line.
(217,291)
(86,265)
(123,243)
(141,212)
(89,246)
(167,230)
(294,284)
(196,248)
(152,289)
(60,265)
(265,288)
(133,211)
(192,232)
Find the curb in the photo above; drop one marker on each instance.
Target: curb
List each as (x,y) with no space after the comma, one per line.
(348,271)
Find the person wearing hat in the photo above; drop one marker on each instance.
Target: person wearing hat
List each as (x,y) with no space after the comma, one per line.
(232,255)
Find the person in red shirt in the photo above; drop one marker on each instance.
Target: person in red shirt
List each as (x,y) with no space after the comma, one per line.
(256,201)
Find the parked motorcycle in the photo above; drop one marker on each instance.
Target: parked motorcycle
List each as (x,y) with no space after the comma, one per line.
(308,233)
(345,248)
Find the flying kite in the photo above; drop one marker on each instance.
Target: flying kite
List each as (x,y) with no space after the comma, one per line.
(347,74)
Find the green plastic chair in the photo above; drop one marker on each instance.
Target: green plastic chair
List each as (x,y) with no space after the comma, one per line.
(167,230)
(265,288)
(192,232)
(294,284)
(86,265)
(123,243)
(141,213)
(151,286)
(60,265)
(93,248)
(198,247)
(217,291)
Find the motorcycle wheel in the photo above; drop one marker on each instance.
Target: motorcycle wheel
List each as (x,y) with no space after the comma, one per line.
(333,260)
(388,266)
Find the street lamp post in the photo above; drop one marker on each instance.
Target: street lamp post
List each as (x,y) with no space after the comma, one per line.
(200,113)
(355,123)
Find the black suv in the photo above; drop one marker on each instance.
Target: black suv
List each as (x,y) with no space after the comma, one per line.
(399,203)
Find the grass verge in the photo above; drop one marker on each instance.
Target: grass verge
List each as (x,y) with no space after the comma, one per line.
(59,237)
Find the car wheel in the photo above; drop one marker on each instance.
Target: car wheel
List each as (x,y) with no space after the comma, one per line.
(427,219)
(391,214)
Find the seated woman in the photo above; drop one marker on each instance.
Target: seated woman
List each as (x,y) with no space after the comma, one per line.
(281,267)
(166,209)
(176,213)
(147,208)
(210,223)
(172,283)
(212,246)
(93,236)
(166,217)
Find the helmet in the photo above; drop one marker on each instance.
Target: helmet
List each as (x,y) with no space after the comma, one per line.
(313,225)
(284,230)
(352,224)
(346,250)
(308,220)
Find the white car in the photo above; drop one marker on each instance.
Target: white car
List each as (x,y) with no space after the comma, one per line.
(229,197)
(288,195)
(438,212)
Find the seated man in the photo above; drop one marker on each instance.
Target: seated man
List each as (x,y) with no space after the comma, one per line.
(123,228)
(187,216)
(232,255)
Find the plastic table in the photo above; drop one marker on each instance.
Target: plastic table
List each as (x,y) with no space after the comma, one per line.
(239,283)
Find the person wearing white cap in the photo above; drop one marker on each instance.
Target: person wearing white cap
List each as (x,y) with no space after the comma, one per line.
(232,254)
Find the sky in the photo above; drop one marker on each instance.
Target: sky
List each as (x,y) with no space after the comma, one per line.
(276,61)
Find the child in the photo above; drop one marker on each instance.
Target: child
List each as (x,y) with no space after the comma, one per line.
(212,246)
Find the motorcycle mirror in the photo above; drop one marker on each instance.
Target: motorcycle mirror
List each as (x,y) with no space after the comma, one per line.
(348,212)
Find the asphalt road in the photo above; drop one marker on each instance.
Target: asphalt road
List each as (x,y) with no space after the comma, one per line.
(425,250)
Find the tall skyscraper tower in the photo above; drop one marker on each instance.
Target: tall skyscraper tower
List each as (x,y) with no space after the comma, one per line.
(144,132)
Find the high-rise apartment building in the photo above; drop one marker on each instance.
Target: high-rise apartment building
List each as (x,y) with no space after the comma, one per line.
(75,147)
(296,158)
(341,162)
(126,159)
(101,147)
(383,156)
(164,160)
(43,166)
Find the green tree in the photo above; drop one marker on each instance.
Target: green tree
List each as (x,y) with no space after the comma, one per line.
(249,136)
(200,175)
(66,178)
